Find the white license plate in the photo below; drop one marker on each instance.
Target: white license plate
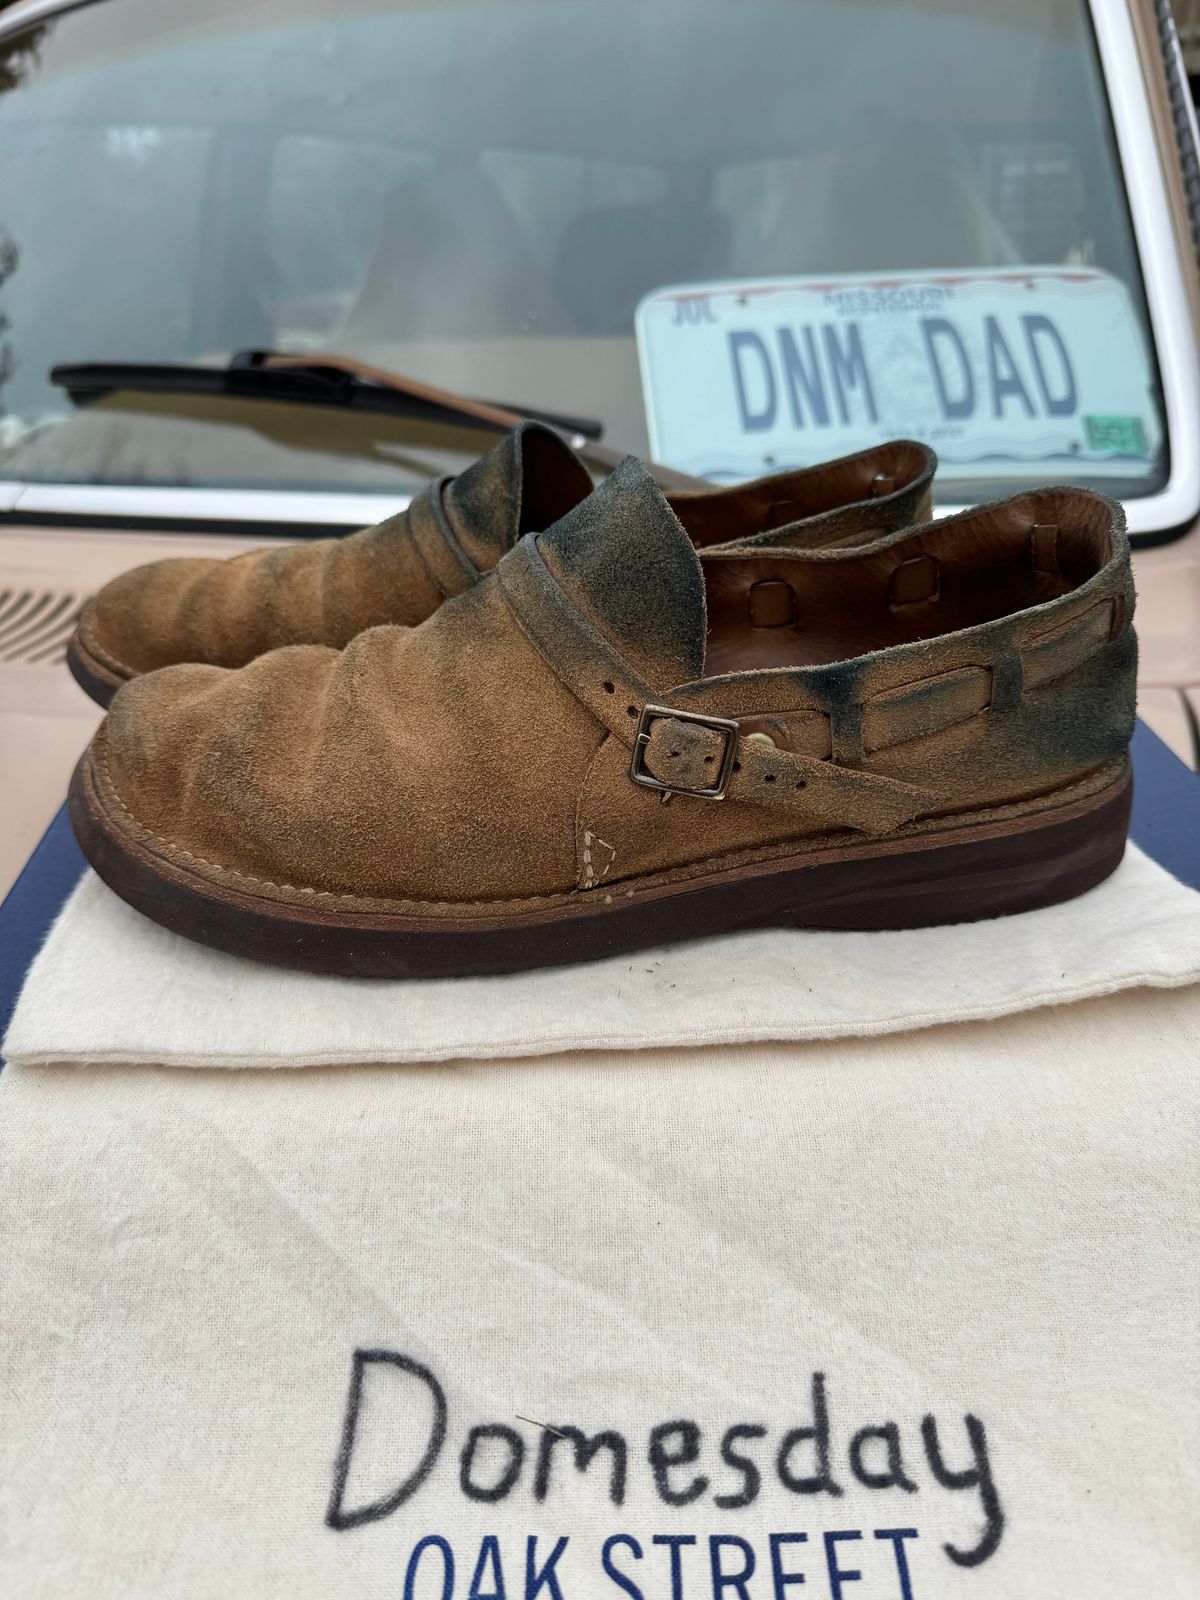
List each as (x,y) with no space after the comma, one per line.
(1007,373)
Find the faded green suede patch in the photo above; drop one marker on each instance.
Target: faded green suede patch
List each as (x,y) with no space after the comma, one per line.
(627,560)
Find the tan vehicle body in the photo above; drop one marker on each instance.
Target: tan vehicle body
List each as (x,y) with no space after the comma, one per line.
(47,571)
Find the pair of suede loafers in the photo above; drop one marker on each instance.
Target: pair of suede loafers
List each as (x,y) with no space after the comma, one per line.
(528,722)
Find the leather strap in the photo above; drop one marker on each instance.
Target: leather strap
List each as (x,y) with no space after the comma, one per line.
(436,544)
(683,755)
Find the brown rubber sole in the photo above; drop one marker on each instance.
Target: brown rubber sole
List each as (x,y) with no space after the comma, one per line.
(962,874)
(96,680)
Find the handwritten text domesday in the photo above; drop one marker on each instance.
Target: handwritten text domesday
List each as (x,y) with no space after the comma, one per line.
(811,1458)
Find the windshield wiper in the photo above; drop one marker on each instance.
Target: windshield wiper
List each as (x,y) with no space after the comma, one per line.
(332,380)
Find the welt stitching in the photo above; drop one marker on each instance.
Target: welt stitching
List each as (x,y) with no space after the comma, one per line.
(98,650)
(713,863)
(585,874)
(1087,785)
(292,888)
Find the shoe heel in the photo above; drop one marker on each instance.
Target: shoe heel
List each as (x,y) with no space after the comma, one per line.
(978,878)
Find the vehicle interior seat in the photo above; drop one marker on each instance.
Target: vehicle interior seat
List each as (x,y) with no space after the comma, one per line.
(451,263)
(914,189)
(610,259)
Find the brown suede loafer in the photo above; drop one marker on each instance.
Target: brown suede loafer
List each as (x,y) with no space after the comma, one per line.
(929,728)
(225,613)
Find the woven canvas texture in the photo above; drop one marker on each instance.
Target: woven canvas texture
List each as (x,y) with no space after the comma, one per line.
(110,986)
(927,1298)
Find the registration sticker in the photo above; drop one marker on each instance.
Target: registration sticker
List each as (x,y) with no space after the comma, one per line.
(1003,372)
(1120,436)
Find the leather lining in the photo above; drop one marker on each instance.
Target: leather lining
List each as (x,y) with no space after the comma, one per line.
(552,482)
(939,579)
(772,605)
(1044,539)
(915,579)
(828,486)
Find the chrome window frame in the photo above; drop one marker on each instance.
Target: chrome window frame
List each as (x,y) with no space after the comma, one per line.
(32,10)
(116,502)
(1173,508)
(1177,504)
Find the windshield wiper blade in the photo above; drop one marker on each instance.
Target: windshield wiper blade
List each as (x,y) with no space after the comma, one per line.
(312,380)
(333,380)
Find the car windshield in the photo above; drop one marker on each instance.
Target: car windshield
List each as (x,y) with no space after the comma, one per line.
(742,233)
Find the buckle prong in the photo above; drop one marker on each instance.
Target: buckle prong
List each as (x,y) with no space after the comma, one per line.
(640,774)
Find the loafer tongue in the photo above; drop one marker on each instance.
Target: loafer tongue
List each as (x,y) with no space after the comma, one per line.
(528,481)
(626,561)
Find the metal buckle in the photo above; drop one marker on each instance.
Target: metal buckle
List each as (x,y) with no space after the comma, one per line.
(637,767)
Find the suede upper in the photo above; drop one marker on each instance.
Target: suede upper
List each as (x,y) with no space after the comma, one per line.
(979,665)
(226,612)
(326,591)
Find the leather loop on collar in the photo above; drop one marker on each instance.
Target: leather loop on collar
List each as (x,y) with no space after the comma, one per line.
(435,542)
(600,679)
